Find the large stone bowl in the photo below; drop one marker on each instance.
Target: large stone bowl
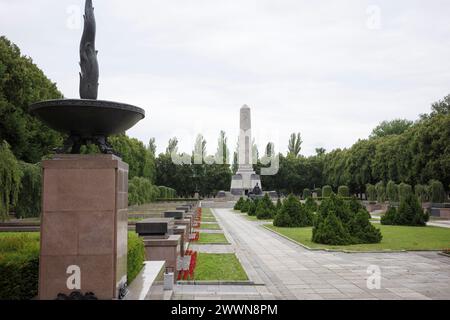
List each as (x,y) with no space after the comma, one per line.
(87,118)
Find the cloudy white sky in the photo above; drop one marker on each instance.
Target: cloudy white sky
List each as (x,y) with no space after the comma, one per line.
(329,69)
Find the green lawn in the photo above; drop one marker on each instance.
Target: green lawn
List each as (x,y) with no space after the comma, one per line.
(207,215)
(394,238)
(207,212)
(219,267)
(254,218)
(207,238)
(210,226)
(209,219)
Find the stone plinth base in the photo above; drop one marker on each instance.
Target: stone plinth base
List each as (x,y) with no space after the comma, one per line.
(181,231)
(84,226)
(187,223)
(164,249)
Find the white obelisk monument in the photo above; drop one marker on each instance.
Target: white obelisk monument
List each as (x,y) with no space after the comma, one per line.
(245,179)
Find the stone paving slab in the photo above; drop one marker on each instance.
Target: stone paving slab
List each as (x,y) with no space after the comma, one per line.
(283,270)
(207,248)
(209,231)
(281,264)
(220,292)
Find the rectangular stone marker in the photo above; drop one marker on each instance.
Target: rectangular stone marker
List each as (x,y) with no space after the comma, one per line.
(181,231)
(183,208)
(84,226)
(176,214)
(155,227)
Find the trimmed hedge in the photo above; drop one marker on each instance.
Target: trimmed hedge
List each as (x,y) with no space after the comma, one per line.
(344,191)
(265,208)
(306,193)
(142,191)
(409,213)
(293,214)
(246,205)
(136,256)
(166,193)
(437,192)
(311,205)
(19,264)
(341,222)
(422,192)
(327,191)
(178,200)
(239,204)
(318,191)
(252,206)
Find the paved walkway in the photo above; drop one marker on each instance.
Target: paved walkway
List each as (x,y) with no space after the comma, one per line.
(284,270)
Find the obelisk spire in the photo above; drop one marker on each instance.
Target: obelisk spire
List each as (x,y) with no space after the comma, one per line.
(245,139)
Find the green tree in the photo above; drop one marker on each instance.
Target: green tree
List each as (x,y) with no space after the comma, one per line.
(340,222)
(331,231)
(293,214)
(239,204)
(265,208)
(327,191)
(295,144)
(270,150)
(437,191)
(252,207)
(10,176)
(29,198)
(152,146)
(371,192)
(394,127)
(172,146)
(392,191)
(22,83)
(404,190)
(139,158)
(320,151)
(306,193)
(422,192)
(410,212)
(343,191)
(381,191)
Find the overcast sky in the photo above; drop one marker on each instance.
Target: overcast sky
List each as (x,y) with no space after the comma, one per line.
(329,69)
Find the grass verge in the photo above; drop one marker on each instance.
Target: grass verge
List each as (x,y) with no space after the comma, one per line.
(219,267)
(213,226)
(254,218)
(212,238)
(395,238)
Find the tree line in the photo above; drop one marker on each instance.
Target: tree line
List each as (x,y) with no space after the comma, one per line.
(400,151)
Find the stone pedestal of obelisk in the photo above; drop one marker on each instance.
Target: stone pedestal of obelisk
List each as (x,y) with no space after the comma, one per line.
(84,226)
(245,179)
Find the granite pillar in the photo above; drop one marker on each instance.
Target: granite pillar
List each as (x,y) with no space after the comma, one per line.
(84,226)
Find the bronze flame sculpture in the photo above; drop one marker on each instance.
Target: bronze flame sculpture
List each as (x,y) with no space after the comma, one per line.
(88,56)
(87,120)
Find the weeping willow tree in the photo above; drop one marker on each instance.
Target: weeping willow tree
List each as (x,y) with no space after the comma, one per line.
(10,176)
(29,202)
